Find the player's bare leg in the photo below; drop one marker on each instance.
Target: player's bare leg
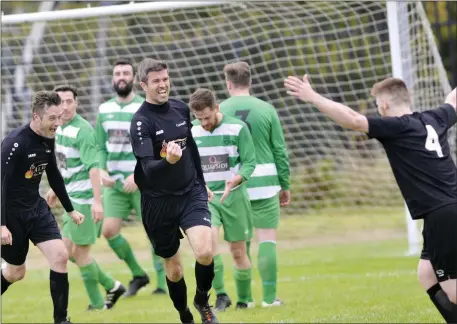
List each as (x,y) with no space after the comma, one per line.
(11,274)
(268,265)
(222,299)
(177,287)
(112,232)
(243,273)
(57,256)
(200,239)
(441,294)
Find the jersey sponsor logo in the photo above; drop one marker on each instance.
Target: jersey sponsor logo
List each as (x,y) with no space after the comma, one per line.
(182,142)
(35,170)
(159,132)
(118,136)
(32,155)
(215,163)
(181,124)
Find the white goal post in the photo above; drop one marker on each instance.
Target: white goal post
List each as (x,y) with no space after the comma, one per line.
(344,46)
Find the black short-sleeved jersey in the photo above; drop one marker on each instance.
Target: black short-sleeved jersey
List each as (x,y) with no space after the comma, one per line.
(418,151)
(152,127)
(25,157)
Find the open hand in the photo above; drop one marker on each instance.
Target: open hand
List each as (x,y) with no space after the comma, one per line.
(97,211)
(129,184)
(107,181)
(300,89)
(174,152)
(210,194)
(284,198)
(229,185)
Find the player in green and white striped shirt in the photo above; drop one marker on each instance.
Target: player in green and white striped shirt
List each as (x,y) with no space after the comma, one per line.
(227,155)
(76,154)
(120,194)
(269,185)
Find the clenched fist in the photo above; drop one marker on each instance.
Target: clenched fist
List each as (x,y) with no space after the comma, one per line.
(77,217)
(174,152)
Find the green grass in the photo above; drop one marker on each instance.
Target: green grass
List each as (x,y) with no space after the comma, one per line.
(341,268)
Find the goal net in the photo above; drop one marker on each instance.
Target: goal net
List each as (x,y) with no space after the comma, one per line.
(345,47)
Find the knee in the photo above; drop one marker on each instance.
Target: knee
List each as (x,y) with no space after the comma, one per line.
(15,273)
(426,274)
(204,254)
(60,259)
(81,255)
(109,231)
(174,270)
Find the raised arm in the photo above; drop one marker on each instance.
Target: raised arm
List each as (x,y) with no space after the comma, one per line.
(57,183)
(451,98)
(339,113)
(144,150)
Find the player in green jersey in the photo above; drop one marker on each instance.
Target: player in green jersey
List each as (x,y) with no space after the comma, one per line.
(77,154)
(120,193)
(227,155)
(269,185)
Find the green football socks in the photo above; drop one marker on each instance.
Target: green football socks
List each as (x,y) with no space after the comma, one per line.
(123,250)
(268,269)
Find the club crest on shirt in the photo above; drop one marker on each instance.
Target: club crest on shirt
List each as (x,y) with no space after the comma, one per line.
(35,170)
(182,142)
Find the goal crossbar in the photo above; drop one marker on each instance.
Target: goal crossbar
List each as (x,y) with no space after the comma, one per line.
(89,12)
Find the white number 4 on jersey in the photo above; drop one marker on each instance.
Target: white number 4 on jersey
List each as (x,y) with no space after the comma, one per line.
(432,143)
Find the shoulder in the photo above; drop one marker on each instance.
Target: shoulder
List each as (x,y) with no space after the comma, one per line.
(233,126)
(108,106)
(178,104)
(17,137)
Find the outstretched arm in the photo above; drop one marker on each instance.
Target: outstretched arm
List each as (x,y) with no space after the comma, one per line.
(451,98)
(339,113)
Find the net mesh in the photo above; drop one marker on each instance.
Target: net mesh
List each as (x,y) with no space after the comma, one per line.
(343,46)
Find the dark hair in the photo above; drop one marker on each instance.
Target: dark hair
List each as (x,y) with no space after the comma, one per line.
(42,100)
(149,65)
(238,73)
(201,99)
(66,87)
(124,61)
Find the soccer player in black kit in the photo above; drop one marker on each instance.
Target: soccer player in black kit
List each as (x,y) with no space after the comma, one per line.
(27,152)
(418,151)
(173,192)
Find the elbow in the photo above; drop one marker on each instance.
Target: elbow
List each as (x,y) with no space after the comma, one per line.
(358,123)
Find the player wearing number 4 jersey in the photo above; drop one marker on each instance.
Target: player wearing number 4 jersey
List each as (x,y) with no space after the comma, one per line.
(228,159)
(418,151)
(77,157)
(269,185)
(120,194)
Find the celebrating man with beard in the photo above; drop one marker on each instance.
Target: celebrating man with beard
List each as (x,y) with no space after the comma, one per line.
(120,194)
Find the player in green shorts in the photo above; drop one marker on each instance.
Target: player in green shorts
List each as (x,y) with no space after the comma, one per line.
(228,159)
(120,193)
(269,185)
(77,156)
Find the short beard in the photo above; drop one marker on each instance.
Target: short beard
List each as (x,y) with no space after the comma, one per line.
(123,93)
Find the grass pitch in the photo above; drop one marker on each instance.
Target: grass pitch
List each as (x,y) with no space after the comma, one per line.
(333,267)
